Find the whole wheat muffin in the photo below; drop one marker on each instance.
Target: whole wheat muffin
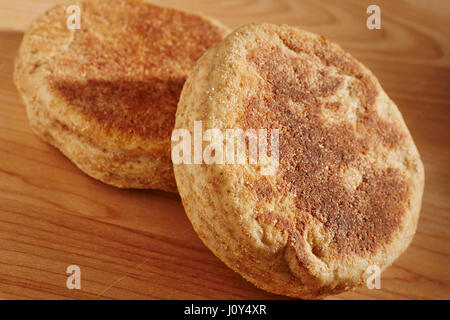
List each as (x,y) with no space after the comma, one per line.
(106,94)
(347,192)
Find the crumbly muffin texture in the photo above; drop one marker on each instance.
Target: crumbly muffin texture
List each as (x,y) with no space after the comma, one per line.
(348,188)
(106,94)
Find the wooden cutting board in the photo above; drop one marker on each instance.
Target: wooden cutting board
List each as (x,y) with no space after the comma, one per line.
(139,244)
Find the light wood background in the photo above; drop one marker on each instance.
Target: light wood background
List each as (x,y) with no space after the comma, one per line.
(139,244)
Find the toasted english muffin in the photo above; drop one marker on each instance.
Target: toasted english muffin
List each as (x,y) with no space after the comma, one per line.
(106,94)
(347,192)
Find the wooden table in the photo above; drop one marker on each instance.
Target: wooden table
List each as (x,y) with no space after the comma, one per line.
(139,244)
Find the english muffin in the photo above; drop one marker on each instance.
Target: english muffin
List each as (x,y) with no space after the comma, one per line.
(347,191)
(106,94)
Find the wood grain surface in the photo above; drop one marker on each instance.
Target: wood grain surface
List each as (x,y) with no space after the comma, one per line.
(139,244)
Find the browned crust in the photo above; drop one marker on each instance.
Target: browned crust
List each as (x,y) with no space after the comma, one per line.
(123,169)
(313,153)
(347,193)
(117,80)
(128,76)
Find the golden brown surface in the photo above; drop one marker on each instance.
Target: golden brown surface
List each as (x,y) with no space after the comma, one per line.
(127,66)
(313,153)
(106,94)
(347,192)
(139,244)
